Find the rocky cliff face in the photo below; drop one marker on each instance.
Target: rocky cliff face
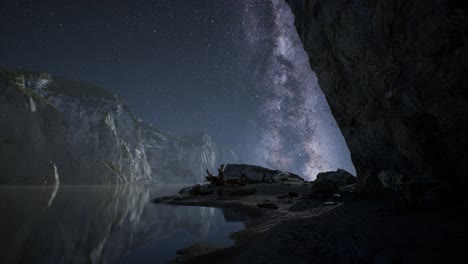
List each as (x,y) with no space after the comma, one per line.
(395,76)
(183,159)
(89,134)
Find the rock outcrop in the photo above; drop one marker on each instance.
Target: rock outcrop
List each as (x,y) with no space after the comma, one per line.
(324,188)
(255,174)
(341,177)
(89,135)
(395,76)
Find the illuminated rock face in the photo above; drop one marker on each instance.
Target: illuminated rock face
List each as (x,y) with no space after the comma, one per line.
(395,76)
(89,134)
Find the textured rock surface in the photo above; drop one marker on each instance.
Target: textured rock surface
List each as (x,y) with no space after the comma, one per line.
(90,135)
(395,76)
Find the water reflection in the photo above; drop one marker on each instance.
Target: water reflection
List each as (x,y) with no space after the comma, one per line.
(101,224)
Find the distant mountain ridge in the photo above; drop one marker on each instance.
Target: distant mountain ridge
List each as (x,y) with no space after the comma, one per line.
(91,136)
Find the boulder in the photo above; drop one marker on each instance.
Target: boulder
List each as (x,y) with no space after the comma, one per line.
(324,188)
(256,174)
(341,177)
(286,177)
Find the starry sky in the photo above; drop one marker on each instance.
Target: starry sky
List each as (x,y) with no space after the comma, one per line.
(234,69)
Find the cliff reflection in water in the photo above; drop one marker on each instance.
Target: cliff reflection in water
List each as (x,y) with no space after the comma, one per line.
(97,224)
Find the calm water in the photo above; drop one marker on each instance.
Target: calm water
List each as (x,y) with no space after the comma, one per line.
(104,224)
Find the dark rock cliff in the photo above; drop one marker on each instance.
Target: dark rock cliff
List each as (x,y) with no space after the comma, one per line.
(90,136)
(395,75)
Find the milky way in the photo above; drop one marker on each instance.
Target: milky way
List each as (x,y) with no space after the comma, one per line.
(298,132)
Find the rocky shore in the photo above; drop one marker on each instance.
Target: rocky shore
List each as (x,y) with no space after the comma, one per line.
(325,221)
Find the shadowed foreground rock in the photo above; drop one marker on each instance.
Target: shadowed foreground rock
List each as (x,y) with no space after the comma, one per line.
(341,177)
(324,188)
(287,225)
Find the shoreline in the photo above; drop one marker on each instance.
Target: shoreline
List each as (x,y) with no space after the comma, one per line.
(336,229)
(260,219)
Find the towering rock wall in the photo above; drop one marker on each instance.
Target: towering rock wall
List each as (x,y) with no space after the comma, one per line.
(89,134)
(395,76)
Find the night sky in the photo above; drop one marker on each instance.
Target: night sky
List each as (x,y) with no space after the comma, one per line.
(234,69)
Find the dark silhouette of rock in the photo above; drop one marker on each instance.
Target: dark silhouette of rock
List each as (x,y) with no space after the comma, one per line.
(395,76)
(324,188)
(341,177)
(417,191)
(255,174)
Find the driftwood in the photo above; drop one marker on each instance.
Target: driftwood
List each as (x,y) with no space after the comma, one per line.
(221,180)
(216,180)
(221,173)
